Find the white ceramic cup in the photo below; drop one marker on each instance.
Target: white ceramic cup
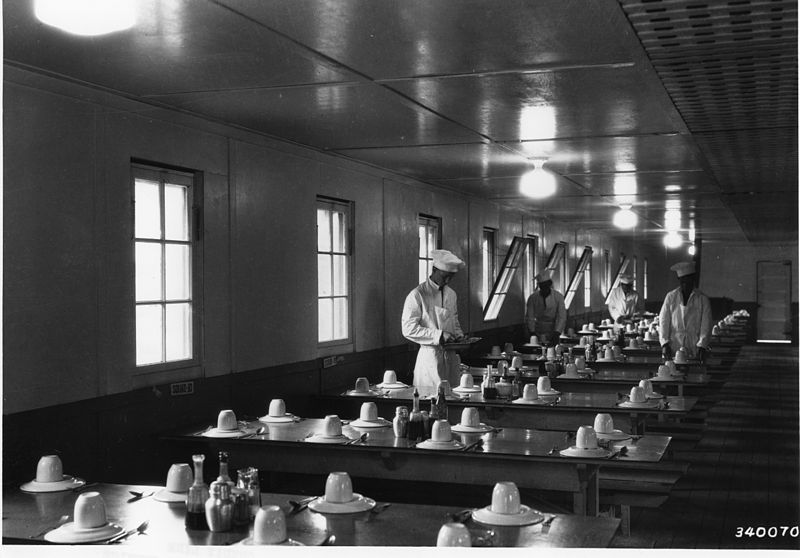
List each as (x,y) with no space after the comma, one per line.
(277,408)
(637,395)
(586,438)
(663,371)
(505,498)
(516,362)
(453,534)
(269,526)
(543,384)
(680,356)
(179,477)
(49,469)
(390,377)
(369,411)
(609,354)
(580,362)
(362,385)
(89,511)
(629,328)
(572,371)
(466,380)
(445,385)
(440,431)
(338,488)
(603,423)
(671,365)
(551,353)
(332,426)
(496,350)
(226,420)
(647,386)
(632,343)
(529,392)
(534,340)
(582,342)
(470,417)
(591,327)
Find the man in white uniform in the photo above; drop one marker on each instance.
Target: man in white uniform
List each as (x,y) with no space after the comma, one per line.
(624,302)
(545,312)
(430,318)
(685,317)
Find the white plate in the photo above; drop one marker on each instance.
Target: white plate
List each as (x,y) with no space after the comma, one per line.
(69,534)
(531,345)
(467,390)
(613,435)
(538,401)
(359,503)
(67,483)
(288,542)
(581,452)
(380,423)
(646,405)
(462,428)
(217,433)
(370,393)
(551,393)
(165,495)
(288,417)
(342,439)
(656,395)
(593,333)
(396,385)
(526,516)
(575,377)
(431,445)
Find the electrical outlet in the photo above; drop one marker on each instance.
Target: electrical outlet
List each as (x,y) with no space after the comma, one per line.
(181,388)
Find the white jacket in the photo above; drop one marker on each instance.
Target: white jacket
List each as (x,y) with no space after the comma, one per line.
(427,312)
(685,326)
(621,305)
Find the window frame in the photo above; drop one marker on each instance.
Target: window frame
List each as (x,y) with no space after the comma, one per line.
(644,279)
(346,207)
(529,285)
(577,276)
(429,222)
(488,254)
(624,261)
(513,261)
(193,180)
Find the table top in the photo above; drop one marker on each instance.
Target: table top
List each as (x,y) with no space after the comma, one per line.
(532,443)
(399,524)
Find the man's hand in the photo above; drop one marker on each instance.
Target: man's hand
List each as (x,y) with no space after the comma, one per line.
(666,351)
(702,353)
(447,337)
(620,319)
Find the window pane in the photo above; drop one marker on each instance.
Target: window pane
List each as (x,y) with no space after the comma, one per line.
(179,331)
(148,271)
(340,318)
(178,272)
(325,319)
(147,209)
(431,240)
(324,275)
(340,286)
(148,334)
(176,213)
(323,230)
(423,245)
(339,232)
(423,270)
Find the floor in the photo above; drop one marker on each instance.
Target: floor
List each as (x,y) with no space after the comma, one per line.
(741,489)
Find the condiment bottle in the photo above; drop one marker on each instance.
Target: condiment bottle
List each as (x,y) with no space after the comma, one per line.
(400,422)
(219,506)
(441,403)
(223,469)
(196,498)
(416,426)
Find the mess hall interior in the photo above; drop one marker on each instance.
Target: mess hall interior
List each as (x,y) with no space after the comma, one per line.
(254,231)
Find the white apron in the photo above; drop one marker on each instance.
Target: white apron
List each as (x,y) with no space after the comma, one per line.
(433,362)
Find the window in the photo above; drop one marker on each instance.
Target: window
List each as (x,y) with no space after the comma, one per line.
(587,286)
(644,280)
(606,270)
(333,270)
(558,263)
(624,262)
(578,276)
(429,239)
(530,266)
(519,247)
(164,252)
(635,273)
(487,254)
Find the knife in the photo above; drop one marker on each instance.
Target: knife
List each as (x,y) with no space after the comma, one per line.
(125,534)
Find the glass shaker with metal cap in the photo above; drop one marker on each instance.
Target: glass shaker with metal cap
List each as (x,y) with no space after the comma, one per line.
(219,506)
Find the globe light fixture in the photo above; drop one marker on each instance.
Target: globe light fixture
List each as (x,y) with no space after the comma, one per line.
(673,240)
(87,17)
(625,218)
(537,183)
(692,250)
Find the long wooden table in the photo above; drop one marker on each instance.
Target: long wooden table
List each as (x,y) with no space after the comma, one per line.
(26,515)
(621,380)
(527,457)
(568,412)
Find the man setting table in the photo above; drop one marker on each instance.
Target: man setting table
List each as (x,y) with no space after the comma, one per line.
(545,312)
(624,301)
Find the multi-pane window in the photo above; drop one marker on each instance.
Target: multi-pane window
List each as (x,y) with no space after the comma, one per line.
(606,270)
(163,250)
(514,260)
(530,266)
(644,279)
(487,255)
(587,285)
(333,270)
(578,276)
(429,239)
(635,273)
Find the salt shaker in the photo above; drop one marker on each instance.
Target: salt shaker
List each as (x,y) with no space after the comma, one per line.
(219,506)
(400,422)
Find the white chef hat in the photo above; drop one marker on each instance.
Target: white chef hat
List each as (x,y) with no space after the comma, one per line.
(626,278)
(544,275)
(683,268)
(445,260)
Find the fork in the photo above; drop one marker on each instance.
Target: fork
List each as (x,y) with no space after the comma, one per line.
(546,524)
(361,438)
(125,534)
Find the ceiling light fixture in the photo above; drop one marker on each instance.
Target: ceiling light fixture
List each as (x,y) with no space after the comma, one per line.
(537,183)
(625,218)
(87,17)
(673,240)
(692,250)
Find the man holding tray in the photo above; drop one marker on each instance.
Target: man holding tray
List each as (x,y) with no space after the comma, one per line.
(430,318)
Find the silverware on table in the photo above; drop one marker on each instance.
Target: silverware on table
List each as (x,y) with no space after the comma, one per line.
(361,438)
(298,506)
(472,445)
(546,524)
(125,534)
(330,540)
(63,519)
(461,516)
(138,496)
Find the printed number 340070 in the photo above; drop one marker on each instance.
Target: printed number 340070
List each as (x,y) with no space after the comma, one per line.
(768,532)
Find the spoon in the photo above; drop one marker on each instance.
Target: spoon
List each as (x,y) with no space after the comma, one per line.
(61,520)
(361,438)
(330,540)
(297,507)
